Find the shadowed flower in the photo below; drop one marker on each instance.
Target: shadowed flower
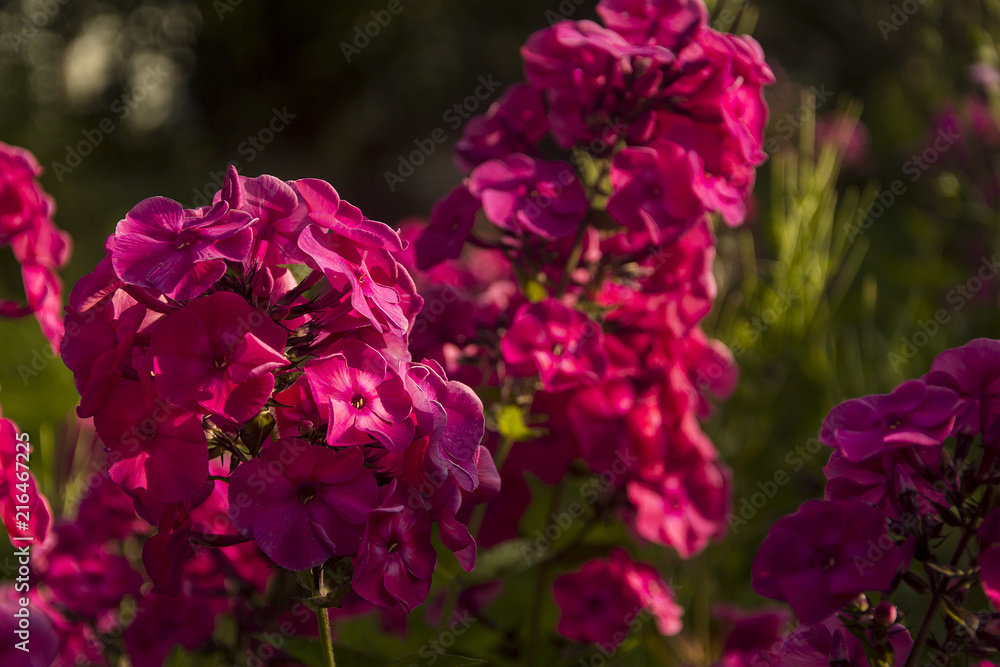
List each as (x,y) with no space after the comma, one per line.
(302,503)
(822,557)
(157,451)
(973,372)
(396,559)
(914,414)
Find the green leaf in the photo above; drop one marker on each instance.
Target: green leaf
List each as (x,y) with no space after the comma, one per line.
(286,380)
(443,659)
(257,431)
(511,424)
(504,560)
(535,291)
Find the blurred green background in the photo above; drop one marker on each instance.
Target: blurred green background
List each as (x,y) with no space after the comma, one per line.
(163,95)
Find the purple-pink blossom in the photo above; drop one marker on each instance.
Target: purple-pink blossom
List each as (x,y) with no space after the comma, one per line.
(824,555)
(303,503)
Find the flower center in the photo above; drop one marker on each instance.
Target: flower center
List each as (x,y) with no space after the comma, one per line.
(307,493)
(558,349)
(358,401)
(220,361)
(147,429)
(392,546)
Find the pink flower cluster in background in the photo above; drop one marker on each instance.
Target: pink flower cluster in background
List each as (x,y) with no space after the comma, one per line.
(39,246)
(574,280)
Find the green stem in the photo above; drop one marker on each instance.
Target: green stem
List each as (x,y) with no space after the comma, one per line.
(323,616)
(942,586)
(541,578)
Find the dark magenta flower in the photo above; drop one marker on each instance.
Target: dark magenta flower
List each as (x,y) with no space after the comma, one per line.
(91,582)
(451,416)
(22,201)
(44,640)
(101,342)
(521,194)
(515,123)
(361,397)
(302,503)
(561,344)
(879,480)
(279,215)
(914,414)
(973,372)
(824,555)
(396,559)
(156,451)
(670,23)
(599,602)
(217,354)
(180,252)
(829,642)
(448,228)
(19,493)
(163,622)
(594,80)
(989,556)
(750,633)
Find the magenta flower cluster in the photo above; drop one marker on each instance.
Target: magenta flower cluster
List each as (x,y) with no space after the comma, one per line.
(911,482)
(39,246)
(266,335)
(568,274)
